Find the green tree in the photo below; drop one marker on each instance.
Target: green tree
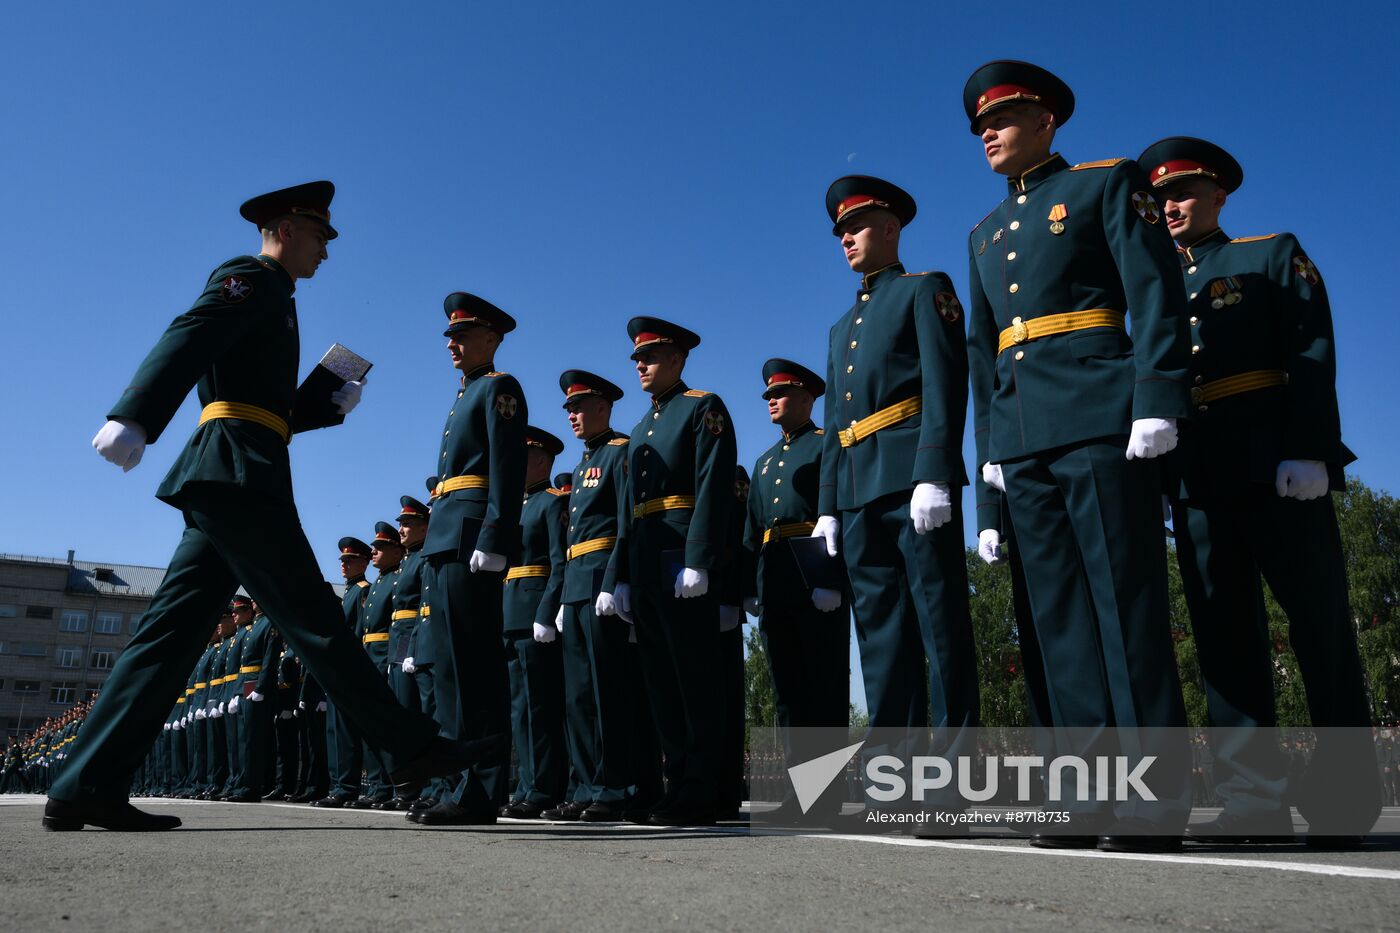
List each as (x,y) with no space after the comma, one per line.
(760,705)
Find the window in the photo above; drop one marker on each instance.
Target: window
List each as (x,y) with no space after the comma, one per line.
(26,686)
(131,624)
(38,612)
(69,656)
(8,611)
(108,623)
(62,693)
(32,651)
(103,660)
(74,620)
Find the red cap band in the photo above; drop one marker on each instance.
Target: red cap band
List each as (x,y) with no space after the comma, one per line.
(1171,169)
(1004,92)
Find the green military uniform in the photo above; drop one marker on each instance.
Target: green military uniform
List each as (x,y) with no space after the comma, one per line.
(730,593)
(232,482)
(680,467)
(598,687)
(808,650)
(257,689)
(215,716)
(287,726)
(530,602)
(412,685)
(477,508)
(375,630)
(345,758)
(1056,384)
(896,404)
(1263,369)
(229,689)
(203,726)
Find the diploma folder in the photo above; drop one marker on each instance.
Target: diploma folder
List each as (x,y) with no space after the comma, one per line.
(313,407)
(818,568)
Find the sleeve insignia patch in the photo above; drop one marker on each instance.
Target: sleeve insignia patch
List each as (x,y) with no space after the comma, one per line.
(714,421)
(1146,206)
(1305,269)
(506,406)
(235,289)
(949,308)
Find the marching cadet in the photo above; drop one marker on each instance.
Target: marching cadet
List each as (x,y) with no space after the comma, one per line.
(891,474)
(594,620)
(806,640)
(413,687)
(1068,412)
(1263,451)
(232,483)
(257,681)
(346,760)
(472,536)
(530,603)
(680,465)
(376,620)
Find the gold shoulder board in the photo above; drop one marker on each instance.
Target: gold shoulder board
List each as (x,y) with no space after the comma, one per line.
(362,583)
(914,275)
(554,492)
(619,441)
(697,393)
(1253,239)
(1101,163)
(497,374)
(820,432)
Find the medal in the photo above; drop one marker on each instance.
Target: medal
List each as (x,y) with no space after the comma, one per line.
(1057,214)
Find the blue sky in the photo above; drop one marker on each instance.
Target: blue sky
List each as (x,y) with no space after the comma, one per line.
(580,164)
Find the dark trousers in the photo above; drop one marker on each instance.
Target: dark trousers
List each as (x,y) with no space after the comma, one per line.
(231,536)
(346,758)
(581,719)
(256,729)
(1226,551)
(648,784)
(1089,530)
(234,728)
(216,750)
(537,716)
(315,765)
(470,683)
(606,645)
(288,739)
(730,789)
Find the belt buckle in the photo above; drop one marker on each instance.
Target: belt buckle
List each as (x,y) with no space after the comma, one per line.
(847,436)
(1020,333)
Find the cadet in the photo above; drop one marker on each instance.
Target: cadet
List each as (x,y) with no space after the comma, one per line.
(413,687)
(287,725)
(892,473)
(232,482)
(375,622)
(214,707)
(806,640)
(680,464)
(730,593)
(346,759)
(228,693)
(472,536)
(531,601)
(1264,449)
(1067,409)
(595,618)
(257,680)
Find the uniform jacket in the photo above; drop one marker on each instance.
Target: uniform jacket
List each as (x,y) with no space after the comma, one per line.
(376,617)
(784,490)
(408,603)
(599,507)
(543,524)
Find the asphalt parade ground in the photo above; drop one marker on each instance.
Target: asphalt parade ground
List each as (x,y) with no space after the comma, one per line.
(291,867)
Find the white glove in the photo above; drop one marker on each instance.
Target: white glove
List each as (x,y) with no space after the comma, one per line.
(285,714)
(931,507)
(408,667)
(485,560)
(347,397)
(121,441)
(691,583)
(216,713)
(321,707)
(1301,479)
(200,714)
(1151,437)
(752,606)
(167,727)
(223,706)
(730,617)
(559,619)
(301,704)
(604,605)
(992,476)
(826,600)
(544,634)
(256,697)
(233,707)
(828,527)
(622,599)
(989,546)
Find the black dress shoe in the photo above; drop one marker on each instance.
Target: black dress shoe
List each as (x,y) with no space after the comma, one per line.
(396,803)
(1138,835)
(684,815)
(1334,843)
(306,796)
(422,803)
(565,812)
(367,803)
(445,756)
(523,810)
(334,801)
(67,816)
(601,812)
(1229,829)
(275,794)
(449,814)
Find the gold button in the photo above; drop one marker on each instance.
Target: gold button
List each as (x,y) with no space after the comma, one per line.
(655,415)
(786,447)
(1193,295)
(775,500)
(853,344)
(1020,354)
(859,319)
(646,452)
(1191,271)
(853,423)
(1202,407)
(850,369)
(780,463)
(1196,349)
(649,433)
(864,297)
(1014,288)
(445,433)
(1021,199)
(1200,379)
(848,398)
(574,509)
(777,482)
(1195,320)
(644,472)
(571,527)
(1015,225)
(1011,255)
